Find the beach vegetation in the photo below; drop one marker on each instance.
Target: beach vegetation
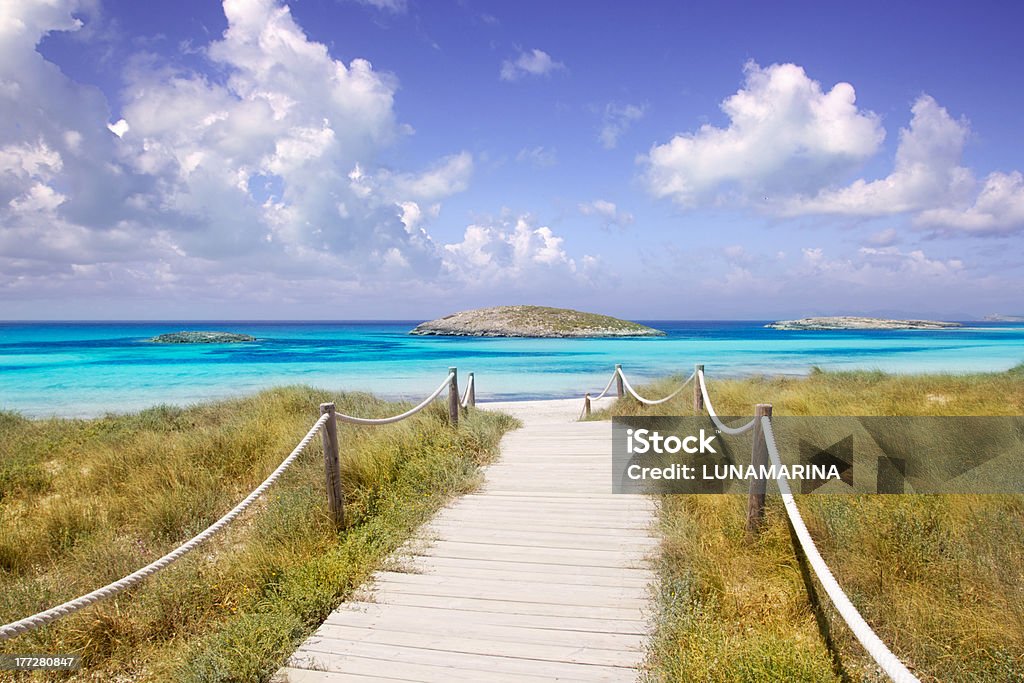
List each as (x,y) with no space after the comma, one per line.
(85,502)
(939,577)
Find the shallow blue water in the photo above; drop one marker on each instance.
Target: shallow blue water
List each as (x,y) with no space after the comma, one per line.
(83,369)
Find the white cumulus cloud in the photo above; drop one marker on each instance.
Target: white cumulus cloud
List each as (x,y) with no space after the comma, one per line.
(785,134)
(997,210)
(511,252)
(927,171)
(255,168)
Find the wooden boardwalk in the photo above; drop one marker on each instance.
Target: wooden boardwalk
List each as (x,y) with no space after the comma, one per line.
(542,575)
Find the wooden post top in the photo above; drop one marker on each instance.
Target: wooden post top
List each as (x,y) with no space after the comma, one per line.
(326,408)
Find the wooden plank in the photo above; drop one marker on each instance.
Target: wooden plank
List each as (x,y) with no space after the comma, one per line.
(571,557)
(511,606)
(477,644)
(350,666)
(406,623)
(444,524)
(518,591)
(544,539)
(466,571)
(290,675)
(331,654)
(472,618)
(442,564)
(434,579)
(524,519)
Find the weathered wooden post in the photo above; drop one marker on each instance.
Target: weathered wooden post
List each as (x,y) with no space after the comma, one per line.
(453,398)
(698,397)
(471,400)
(586,405)
(758,457)
(619,391)
(332,467)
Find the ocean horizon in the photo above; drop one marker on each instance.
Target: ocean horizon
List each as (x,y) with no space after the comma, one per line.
(88,368)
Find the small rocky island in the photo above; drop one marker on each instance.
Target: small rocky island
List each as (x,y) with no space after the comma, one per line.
(845,322)
(201,338)
(998,318)
(532,321)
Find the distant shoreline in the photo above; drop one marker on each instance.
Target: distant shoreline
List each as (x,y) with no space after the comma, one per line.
(407,321)
(483,398)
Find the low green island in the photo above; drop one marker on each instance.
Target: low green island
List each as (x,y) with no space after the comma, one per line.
(532,321)
(201,338)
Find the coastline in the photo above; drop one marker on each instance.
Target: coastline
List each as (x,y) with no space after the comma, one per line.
(491,400)
(92,368)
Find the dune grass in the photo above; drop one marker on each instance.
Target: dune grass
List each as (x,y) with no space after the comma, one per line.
(940,578)
(84,502)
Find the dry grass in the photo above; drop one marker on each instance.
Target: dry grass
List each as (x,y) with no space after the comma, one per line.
(940,578)
(85,502)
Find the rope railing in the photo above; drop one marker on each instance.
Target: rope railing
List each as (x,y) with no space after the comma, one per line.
(606,386)
(765,435)
(71,606)
(469,398)
(587,398)
(398,418)
(647,401)
(326,425)
(726,429)
(878,650)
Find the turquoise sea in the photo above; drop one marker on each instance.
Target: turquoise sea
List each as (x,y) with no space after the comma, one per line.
(88,368)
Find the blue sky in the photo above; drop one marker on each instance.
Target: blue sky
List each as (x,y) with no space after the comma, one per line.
(404,159)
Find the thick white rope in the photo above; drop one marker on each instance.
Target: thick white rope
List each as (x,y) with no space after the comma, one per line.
(714,417)
(389,420)
(647,401)
(606,387)
(882,655)
(37,620)
(464,403)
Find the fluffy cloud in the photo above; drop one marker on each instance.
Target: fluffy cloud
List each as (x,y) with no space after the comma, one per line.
(288,117)
(997,210)
(532,63)
(68,151)
(878,267)
(609,214)
(447,177)
(928,180)
(270,165)
(616,120)
(785,134)
(511,253)
(927,171)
